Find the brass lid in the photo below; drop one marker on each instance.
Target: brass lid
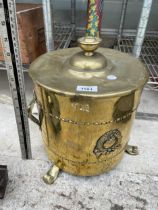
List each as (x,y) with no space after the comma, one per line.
(88,59)
(103,73)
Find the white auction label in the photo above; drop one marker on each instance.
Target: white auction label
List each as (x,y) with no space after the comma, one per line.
(87,88)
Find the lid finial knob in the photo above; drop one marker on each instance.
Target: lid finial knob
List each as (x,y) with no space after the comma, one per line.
(89,44)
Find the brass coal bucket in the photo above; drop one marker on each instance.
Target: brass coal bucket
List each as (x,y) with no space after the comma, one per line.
(87,101)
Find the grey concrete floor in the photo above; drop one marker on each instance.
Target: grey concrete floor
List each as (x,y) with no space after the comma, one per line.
(132,185)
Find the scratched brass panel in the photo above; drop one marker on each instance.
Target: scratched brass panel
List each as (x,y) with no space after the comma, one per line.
(72,126)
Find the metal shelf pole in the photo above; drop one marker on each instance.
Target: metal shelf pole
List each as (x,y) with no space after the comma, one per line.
(73,17)
(142,27)
(122,19)
(48,24)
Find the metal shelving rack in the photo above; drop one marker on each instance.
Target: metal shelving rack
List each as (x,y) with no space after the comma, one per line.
(57,37)
(10,45)
(148,56)
(61,35)
(142,46)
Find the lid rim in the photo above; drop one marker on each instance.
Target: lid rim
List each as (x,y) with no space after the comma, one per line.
(48,72)
(93,95)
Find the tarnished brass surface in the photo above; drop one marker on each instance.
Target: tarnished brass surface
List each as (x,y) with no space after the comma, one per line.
(89,44)
(51,175)
(87,60)
(31,116)
(72,127)
(54,72)
(132,150)
(86,131)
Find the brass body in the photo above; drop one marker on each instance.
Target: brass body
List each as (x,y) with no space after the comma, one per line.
(86,133)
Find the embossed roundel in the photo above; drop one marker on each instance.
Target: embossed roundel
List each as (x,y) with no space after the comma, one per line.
(108,142)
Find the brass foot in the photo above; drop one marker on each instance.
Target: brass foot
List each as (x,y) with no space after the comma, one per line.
(51,175)
(132,150)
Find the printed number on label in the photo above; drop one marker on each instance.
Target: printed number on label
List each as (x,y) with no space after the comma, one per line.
(87,88)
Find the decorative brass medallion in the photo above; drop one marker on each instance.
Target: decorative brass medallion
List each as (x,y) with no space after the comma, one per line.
(108,142)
